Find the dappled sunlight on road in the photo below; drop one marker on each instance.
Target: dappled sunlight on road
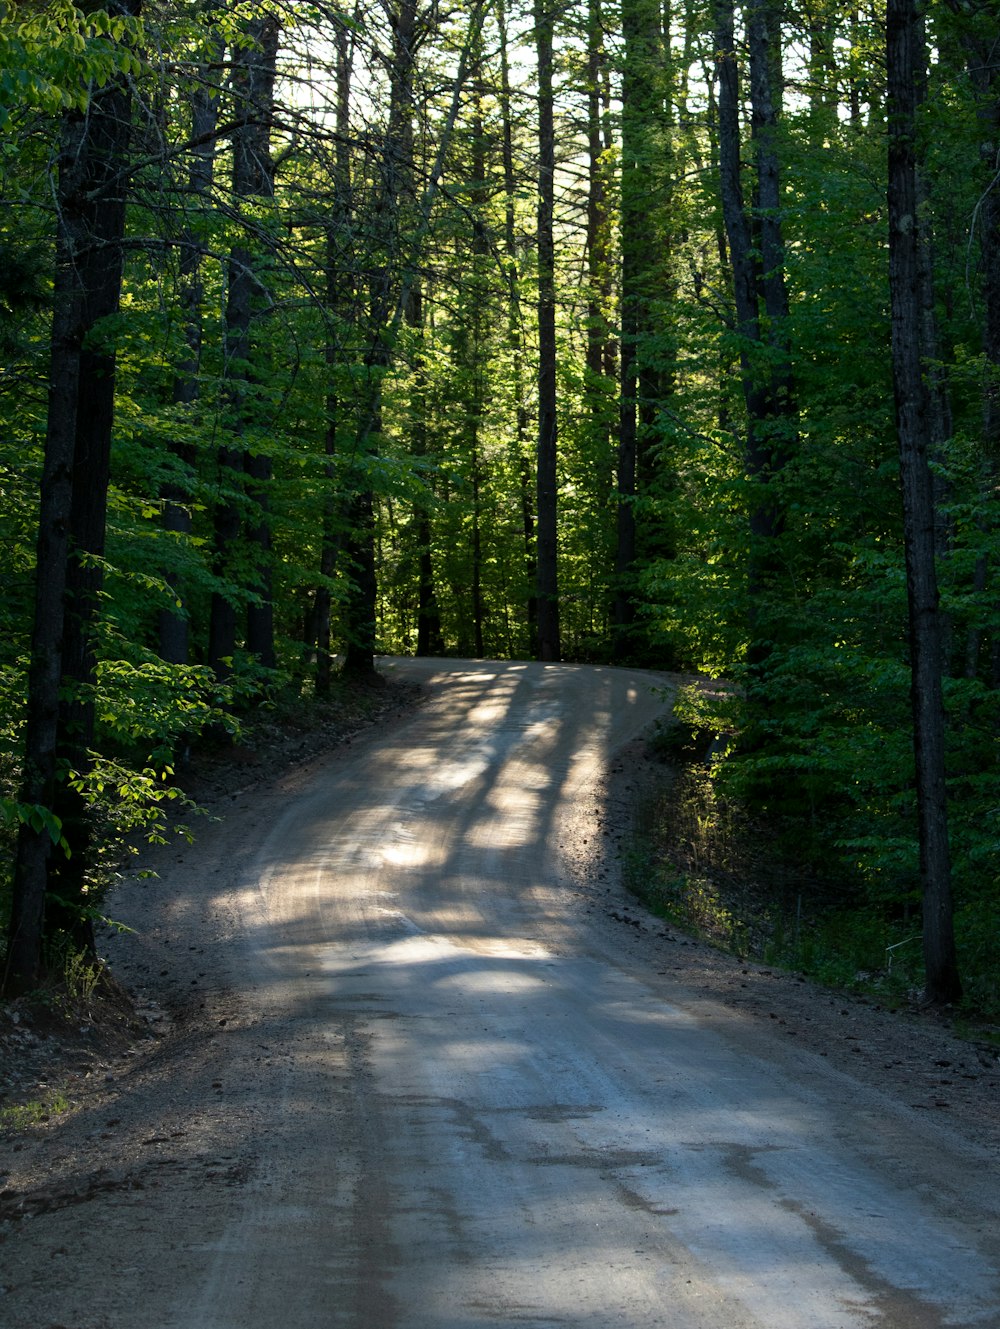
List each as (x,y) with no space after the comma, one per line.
(486,1112)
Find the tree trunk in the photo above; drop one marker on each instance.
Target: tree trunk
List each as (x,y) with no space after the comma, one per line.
(905,59)
(761,302)
(91,196)
(774,435)
(515,339)
(340,291)
(359,648)
(644,150)
(240,469)
(430,640)
(477,555)
(253,177)
(174,626)
(978,35)
(546,558)
(395,192)
(600,345)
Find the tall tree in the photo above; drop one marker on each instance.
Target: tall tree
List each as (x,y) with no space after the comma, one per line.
(547,482)
(174,621)
(756,258)
(394,195)
(644,149)
(601,349)
(515,329)
(244,472)
(976,33)
(905,59)
(340,280)
(91,203)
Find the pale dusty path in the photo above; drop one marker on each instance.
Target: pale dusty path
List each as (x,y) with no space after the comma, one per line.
(452,1098)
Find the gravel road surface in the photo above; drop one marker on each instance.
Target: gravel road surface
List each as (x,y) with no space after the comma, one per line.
(418,1073)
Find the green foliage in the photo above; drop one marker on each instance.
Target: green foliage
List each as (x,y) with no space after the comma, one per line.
(40,819)
(77,973)
(20,1117)
(50,58)
(700,860)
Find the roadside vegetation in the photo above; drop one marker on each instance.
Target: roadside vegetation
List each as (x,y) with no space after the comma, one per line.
(770,886)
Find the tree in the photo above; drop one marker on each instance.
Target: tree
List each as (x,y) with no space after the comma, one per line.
(339,284)
(975,31)
(515,330)
(645,149)
(905,60)
(253,179)
(757,263)
(547,483)
(174,620)
(91,201)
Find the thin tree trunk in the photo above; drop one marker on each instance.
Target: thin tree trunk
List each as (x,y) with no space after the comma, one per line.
(641,31)
(239,469)
(515,337)
(479,298)
(599,276)
(430,639)
(253,176)
(340,292)
(645,284)
(978,34)
(601,358)
(777,429)
(546,560)
(905,58)
(174,624)
(396,194)
(477,553)
(761,302)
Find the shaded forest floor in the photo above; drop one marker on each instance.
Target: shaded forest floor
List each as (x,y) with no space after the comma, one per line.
(774,891)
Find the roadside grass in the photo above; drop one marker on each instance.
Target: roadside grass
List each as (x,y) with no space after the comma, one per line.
(20,1117)
(56,1041)
(701,863)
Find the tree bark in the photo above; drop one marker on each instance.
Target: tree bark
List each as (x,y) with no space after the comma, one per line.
(905,59)
(340,291)
(239,468)
(756,254)
(91,200)
(546,557)
(976,25)
(643,275)
(395,192)
(174,624)
(515,339)
(600,344)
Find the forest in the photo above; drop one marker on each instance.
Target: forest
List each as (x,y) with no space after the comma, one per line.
(652,331)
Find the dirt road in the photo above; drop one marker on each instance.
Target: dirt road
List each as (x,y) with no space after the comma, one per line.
(426,1079)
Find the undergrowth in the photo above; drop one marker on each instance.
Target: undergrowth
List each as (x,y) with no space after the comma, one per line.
(20,1116)
(749,886)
